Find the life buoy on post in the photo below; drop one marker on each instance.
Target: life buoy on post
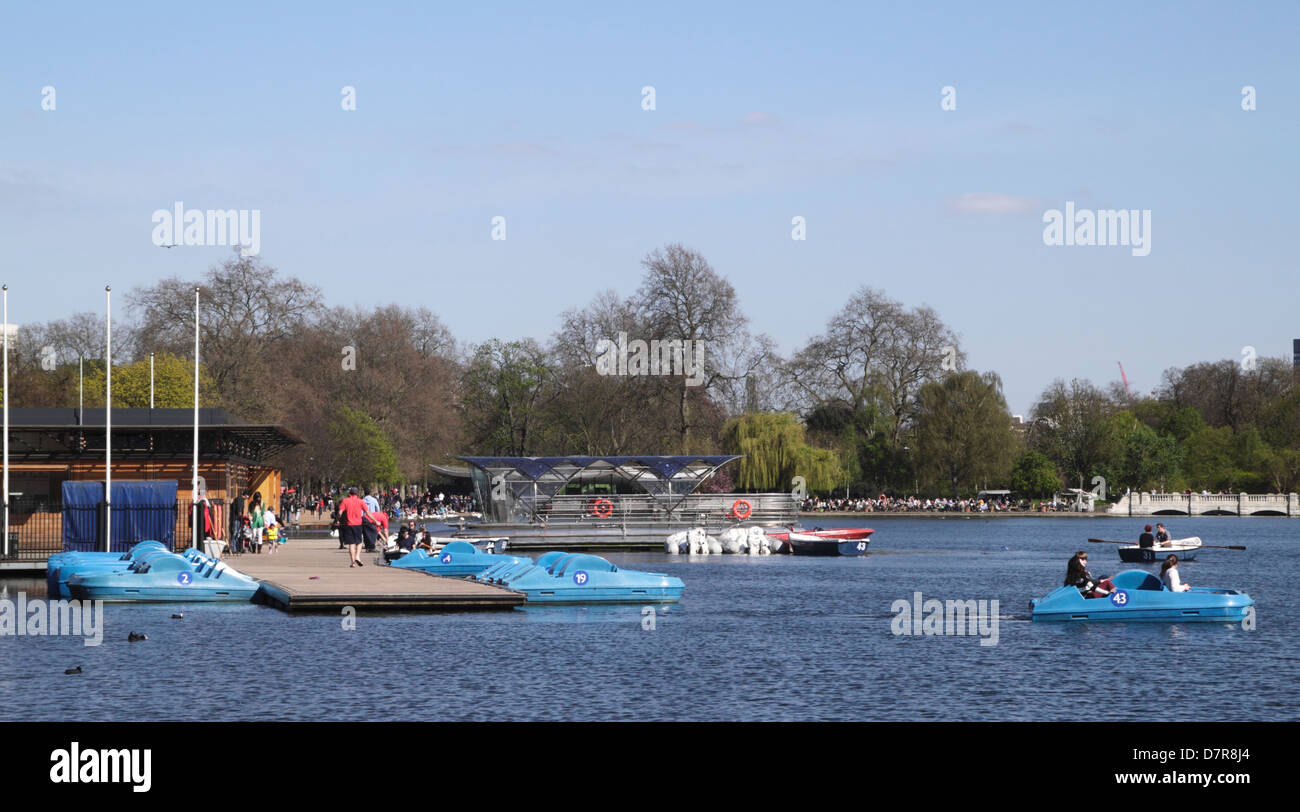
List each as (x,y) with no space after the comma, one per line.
(741,509)
(602,508)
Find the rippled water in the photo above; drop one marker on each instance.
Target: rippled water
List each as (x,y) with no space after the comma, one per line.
(777,638)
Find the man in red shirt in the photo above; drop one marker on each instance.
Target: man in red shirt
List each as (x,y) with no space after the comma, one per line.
(352,512)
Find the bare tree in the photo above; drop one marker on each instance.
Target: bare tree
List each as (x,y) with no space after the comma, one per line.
(249,313)
(683,298)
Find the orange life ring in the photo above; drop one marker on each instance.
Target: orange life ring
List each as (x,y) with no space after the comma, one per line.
(602,508)
(736,506)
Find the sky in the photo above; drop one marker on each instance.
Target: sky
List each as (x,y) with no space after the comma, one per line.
(762,112)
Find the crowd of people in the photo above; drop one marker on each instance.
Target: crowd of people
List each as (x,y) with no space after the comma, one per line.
(914,504)
(429,504)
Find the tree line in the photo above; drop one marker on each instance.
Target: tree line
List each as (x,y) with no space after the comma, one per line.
(880,401)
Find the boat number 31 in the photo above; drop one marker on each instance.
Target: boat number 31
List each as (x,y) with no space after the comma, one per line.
(1119,598)
(580,577)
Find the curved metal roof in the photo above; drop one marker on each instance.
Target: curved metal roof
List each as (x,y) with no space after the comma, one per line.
(536,467)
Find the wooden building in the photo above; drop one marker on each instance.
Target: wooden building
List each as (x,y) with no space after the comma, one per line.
(50,446)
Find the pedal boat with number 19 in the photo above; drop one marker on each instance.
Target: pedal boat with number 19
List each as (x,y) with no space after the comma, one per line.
(577,578)
(1140,596)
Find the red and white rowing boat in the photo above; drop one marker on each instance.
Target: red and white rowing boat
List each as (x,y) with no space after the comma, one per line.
(836,541)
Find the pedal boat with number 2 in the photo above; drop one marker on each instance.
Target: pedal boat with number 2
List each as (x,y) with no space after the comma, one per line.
(1140,596)
(166,578)
(579,578)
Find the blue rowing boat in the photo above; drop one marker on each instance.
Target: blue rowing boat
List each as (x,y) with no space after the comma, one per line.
(456,558)
(1140,596)
(166,577)
(575,578)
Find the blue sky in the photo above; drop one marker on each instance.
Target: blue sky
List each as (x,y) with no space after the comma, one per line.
(763,112)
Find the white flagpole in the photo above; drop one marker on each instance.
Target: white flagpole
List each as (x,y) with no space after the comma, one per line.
(194,484)
(6,419)
(108,420)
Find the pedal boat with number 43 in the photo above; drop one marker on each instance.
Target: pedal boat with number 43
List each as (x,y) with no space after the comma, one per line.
(166,578)
(577,578)
(456,559)
(1140,596)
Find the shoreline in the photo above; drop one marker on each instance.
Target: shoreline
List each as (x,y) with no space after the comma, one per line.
(953,514)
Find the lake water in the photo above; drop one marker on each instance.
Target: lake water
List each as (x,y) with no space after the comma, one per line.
(770,638)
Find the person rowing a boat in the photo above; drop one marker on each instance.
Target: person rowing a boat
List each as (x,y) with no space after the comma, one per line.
(1077,575)
(1162,535)
(1169,575)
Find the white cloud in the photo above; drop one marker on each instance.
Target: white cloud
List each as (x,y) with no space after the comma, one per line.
(991,204)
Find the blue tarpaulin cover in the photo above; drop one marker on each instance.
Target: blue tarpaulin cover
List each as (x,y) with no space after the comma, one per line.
(142,511)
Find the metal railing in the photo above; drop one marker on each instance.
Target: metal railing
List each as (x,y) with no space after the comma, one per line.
(711,511)
(38,534)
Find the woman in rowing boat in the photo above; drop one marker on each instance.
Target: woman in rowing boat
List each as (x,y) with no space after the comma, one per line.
(1169,575)
(1077,575)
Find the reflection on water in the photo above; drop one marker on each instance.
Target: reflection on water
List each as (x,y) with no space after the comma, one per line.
(807,638)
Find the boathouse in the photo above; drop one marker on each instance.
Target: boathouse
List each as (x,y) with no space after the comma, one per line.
(48,447)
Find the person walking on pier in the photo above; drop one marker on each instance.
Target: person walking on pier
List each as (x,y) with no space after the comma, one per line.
(352,512)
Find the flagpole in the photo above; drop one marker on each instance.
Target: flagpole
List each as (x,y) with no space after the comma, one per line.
(194,484)
(108,419)
(6,420)
(151,383)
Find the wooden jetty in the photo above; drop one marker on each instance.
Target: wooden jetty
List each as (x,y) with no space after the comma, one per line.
(312,575)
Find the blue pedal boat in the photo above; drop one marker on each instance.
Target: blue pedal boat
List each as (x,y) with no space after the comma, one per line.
(455,559)
(167,577)
(1140,596)
(577,578)
(62,566)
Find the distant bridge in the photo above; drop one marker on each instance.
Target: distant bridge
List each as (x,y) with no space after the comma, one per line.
(1214,504)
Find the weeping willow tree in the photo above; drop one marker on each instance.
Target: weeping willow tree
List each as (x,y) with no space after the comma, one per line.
(776,452)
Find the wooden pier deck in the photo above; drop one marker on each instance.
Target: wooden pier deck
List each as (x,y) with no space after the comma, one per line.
(312,575)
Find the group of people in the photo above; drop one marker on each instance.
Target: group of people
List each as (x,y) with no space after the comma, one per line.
(362,522)
(908,504)
(1077,574)
(254,525)
(426,505)
(359,521)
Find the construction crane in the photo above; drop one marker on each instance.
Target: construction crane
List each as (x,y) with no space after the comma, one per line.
(1125,379)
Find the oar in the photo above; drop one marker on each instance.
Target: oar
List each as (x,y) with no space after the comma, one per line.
(1134,544)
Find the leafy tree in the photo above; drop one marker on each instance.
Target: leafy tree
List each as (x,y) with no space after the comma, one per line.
(1071,427)
(173,384)
(776,452)
(361,452)
(504,389)
(1141,458)
(963,431)
(1034,475)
